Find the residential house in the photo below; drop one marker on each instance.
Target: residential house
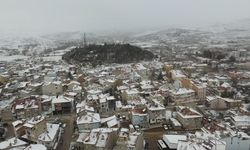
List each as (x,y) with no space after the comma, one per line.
(241,121)
(73,84)
(140,117)
(50,137)
(36,88)
(27,107)
(110,122)
(189,118)
(82,108)
(171,140)
(233,139)
(36,147)
(129,140)
(142,71)
(13,143)
(88,121)
(199,89)
(130,94)
(46,103)
(201,143)
(98,139)
(238,141)
(62,104)
(214,102)
(18,127)
(176,75)
(182,95)
(104,108)
(35,127)
(146,87)
(156,113)
(219,103)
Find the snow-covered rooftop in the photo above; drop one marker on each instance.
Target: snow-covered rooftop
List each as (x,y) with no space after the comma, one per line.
(89,118)
(36,147)
(12,142)
(50,134)
(172,140)
(62,99)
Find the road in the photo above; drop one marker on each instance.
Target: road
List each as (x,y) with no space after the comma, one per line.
(151,136)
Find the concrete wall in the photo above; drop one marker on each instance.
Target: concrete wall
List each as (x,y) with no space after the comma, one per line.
(190,123)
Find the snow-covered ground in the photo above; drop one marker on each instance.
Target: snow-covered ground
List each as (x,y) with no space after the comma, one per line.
(52,58)
(12,58)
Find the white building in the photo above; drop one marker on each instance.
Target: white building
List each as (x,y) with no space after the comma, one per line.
(241,121)
(101,139)
(172,140)
(50,136)
(13,143)
(238,142)
(128,140)
(182,95)
(62,104)
(88,121)
(201,143)
(189,118)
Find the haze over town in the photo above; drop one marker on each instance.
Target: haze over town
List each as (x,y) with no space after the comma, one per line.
(92,15)
(119,75)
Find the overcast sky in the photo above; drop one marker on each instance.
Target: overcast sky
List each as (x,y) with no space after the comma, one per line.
(97,15)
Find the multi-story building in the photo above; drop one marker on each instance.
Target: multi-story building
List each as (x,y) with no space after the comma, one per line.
(50,136)
(129,140)
(140,117)
(98,139)
(182,95)
(189,118)
(35,127)
(88,121)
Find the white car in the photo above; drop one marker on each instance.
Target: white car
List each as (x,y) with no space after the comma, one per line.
(165,127)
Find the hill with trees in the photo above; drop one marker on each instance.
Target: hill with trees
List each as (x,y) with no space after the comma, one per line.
(107,54)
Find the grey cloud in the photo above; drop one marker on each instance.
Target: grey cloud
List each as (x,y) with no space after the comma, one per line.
(97,15)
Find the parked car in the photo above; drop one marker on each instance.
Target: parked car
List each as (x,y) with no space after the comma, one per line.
(64,125)
(165,127)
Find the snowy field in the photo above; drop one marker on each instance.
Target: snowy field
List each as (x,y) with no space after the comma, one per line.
(52,58)
(12,58)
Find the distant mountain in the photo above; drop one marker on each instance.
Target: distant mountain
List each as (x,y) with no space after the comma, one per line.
(240,28)
(40,42)
(107,54)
